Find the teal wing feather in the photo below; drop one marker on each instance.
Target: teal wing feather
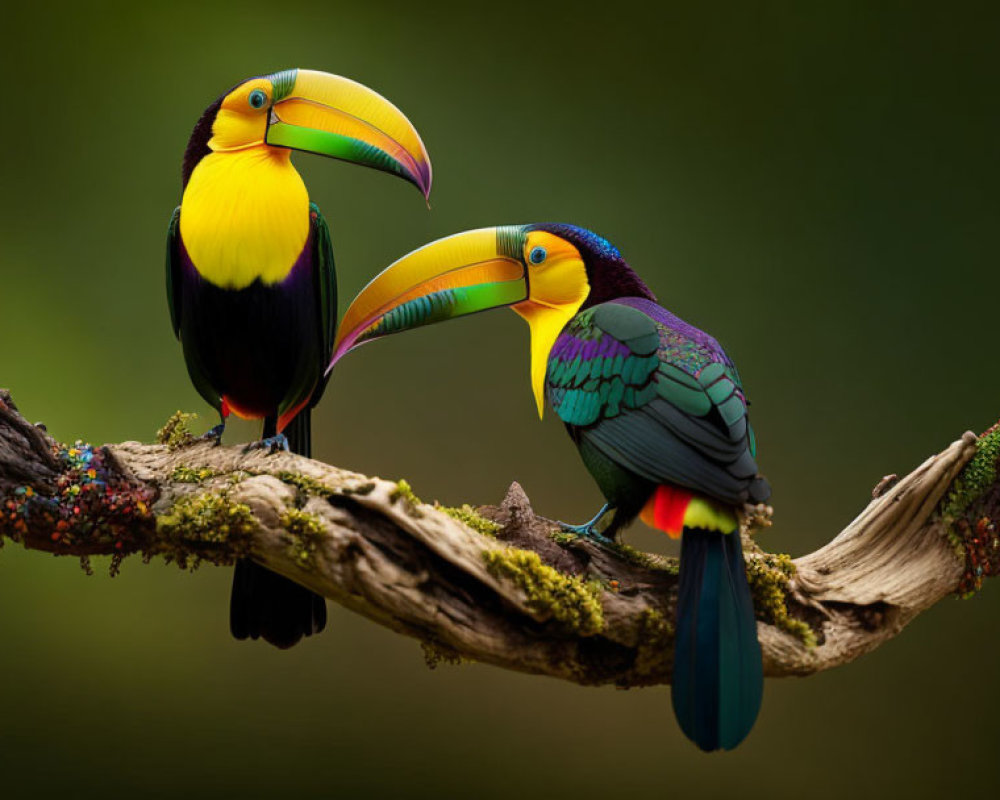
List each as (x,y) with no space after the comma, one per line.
(593,373)
(326,293)
(326,278)
(173,265)
(655,400)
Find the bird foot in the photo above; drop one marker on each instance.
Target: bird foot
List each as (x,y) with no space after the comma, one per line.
(272,444)
(214,434)
(587,531)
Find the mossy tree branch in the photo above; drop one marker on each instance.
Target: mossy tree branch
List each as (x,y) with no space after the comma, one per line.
(497,584)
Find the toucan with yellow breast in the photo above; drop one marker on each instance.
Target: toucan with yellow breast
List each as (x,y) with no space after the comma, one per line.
(250,275)
(655,407)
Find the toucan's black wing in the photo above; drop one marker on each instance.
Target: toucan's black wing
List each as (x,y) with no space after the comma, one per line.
(173,267)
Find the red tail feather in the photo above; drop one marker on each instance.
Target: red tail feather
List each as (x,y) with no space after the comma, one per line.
(666,509)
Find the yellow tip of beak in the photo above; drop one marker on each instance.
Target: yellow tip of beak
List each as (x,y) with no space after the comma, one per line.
(540,402)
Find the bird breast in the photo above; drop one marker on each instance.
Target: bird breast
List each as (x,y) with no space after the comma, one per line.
(244,217)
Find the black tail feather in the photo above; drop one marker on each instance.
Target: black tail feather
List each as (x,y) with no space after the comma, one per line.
(267,605)
(299,433)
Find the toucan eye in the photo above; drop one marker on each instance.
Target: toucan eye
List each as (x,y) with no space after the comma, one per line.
(257,98)
(537,255)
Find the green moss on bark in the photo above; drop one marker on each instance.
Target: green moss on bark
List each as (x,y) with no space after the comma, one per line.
(469,516)
(176,431)
(436,654)
(207,527)
(572,602)
(966,512)
(305,532)
(642,559)
(405,493)
(305,484)
(626,552)
(655,635)
(184,473)
(769,576)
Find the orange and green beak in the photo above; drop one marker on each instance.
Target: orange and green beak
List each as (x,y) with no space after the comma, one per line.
(328,115)
(452,277)
(534,271)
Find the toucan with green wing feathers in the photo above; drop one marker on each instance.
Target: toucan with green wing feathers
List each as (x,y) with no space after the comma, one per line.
(654,405)
(251,281)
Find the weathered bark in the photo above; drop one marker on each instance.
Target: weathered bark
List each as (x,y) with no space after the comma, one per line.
(579,611)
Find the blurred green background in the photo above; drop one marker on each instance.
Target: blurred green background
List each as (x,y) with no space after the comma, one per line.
(814,183)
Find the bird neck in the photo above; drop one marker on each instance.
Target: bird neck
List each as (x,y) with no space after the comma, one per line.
(245,216)
(615,282)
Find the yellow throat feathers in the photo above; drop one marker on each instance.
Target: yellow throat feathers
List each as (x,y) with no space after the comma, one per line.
(244,216)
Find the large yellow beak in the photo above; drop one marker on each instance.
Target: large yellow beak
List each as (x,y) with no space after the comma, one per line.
(453,277)
(471,272)
(333,116)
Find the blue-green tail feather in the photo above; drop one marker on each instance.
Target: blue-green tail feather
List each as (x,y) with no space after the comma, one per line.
(718,680)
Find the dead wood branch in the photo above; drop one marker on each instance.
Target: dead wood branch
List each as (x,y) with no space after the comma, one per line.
(522,596)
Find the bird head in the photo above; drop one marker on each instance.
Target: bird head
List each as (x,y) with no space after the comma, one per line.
(546,273)
(301,109)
